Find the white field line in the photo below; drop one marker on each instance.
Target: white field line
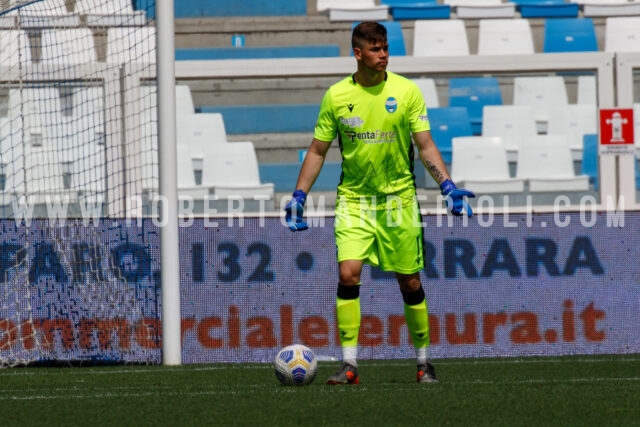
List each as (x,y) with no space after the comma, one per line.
(217,367)
(243,390)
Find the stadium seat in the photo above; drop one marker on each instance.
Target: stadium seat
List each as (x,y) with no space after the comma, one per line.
(440,38)
(255,52)
(505,37)
(184,100)
(68,46)
(548,167)
(587,90)
(11,149)
(546,9)
(622,34)
(44,176)
(480,163)
(573,121)
(417,9)
(147,120)
(201,132)
(186,174)
(236,8)
(44,14)
(479,9)
(131,44)
(590,158)
(608,8)
(42,116)
(233,171)
(429,91)
(109,13)
(570,35)
(509,122)
(540,92)
(446,124)
(88,171)
(474,93)
(353,11)
(15,47)
(272,118)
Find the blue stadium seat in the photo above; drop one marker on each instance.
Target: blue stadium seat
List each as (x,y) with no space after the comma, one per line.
(417,9)
(546,8)
(590,158)
(446,124)
(208,8)
(394,36)
(474,93)
(255,52)
(570,35)
(272,118)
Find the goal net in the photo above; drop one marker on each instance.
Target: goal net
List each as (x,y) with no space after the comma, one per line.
(79,275)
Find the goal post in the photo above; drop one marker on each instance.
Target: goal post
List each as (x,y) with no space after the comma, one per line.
(80,280)
(171,345)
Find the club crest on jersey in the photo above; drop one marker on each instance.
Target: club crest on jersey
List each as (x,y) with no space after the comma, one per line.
(391,104)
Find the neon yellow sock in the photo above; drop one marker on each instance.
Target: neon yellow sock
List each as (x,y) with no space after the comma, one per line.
(417,318)
(348,317)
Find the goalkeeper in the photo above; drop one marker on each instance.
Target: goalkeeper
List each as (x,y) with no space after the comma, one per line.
(374,113)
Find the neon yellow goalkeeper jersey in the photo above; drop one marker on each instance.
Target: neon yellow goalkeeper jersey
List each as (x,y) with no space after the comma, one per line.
(374,126)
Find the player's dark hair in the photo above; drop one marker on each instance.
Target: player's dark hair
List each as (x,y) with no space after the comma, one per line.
(368,32)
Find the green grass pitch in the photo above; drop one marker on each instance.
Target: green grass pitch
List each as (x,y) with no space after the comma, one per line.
(546,391)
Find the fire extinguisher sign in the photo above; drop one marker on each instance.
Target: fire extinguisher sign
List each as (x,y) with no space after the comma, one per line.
(616,131)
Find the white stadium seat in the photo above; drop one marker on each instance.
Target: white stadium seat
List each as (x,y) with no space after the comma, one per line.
(505,37)
(479,9)
(131,44)
(440,37)
(547,166)
(353,10)
(44,14)
(540,93)
(68,46)
(233,171)
(509,122)
(429,91)
(622,34)
(573,121)
(587,90)
(15,48)
(104,13)
(480,163)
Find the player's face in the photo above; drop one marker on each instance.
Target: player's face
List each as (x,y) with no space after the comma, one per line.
(374,56)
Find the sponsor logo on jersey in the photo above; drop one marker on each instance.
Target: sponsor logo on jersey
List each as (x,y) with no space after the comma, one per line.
(372,137)
(354,122)
(391,104)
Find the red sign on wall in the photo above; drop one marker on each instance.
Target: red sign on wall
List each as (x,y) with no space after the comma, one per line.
(616,131)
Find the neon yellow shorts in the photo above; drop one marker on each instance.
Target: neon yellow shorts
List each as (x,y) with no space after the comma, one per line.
(390,239)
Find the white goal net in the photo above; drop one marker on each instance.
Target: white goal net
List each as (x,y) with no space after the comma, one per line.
(79,279)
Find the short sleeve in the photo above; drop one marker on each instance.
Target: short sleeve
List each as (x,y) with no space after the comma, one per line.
(326,126)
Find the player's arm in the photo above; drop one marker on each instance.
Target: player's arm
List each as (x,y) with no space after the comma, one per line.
(432,160)
(430,156)
(309,172)
(312,164)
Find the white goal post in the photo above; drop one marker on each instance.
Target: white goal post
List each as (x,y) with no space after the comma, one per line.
(171,345)
(79,282)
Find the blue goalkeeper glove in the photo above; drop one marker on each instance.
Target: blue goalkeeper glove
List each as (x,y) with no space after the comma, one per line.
(456,203)
(294,211)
